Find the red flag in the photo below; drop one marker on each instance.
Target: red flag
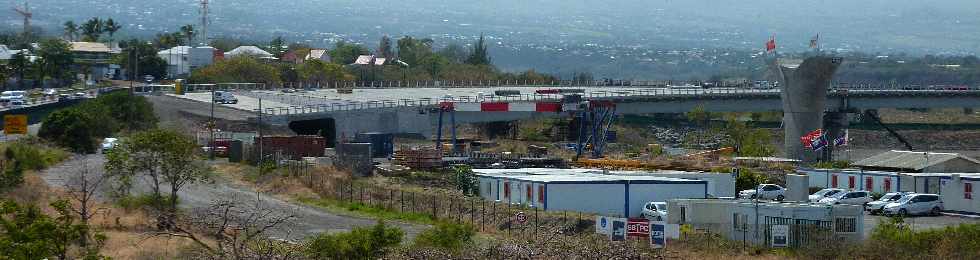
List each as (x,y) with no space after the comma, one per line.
(771,44)
(808,138)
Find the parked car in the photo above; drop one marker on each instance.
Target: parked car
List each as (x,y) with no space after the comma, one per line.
(851,197)
(224,97)
(655,211)
(764,191)
(877,206)
(109,143)
(915,204)
(824,193)
(79,95)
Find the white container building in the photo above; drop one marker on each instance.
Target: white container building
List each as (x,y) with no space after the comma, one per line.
(854,179)
(584,190)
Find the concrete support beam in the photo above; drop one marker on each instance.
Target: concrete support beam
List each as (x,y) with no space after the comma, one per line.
(804,97)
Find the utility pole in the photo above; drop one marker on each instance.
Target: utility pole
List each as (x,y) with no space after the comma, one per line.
(261,156)
(211,126)
(204,22)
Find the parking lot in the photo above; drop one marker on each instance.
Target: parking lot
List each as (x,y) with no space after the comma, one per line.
(920,222)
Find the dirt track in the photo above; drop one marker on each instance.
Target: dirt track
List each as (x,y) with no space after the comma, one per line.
(308,221)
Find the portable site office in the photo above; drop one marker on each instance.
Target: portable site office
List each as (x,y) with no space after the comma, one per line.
(583,190)
(955,189)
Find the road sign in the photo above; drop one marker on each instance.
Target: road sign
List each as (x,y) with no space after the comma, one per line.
(658,238)
(521,217)
(15,124)
(638,227)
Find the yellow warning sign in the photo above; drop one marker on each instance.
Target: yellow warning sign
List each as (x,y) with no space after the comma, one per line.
(15,124)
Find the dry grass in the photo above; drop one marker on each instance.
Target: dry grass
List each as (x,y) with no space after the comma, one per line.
(127,231)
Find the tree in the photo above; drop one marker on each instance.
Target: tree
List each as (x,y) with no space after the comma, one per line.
(317,71)
(71,30)
(479,56)
(146,54)
(55,57)
(188,31)
(413,51)
(168,40)
(110,26)
(81,188)
(748,141)
(237,69)
(455,53)
(26,232)
(92,29)
(132,112)
(19,65)
(72,128)
(167,159)
(277,47)
(238,231)
(384,48)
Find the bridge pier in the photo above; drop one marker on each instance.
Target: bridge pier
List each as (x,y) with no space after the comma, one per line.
(804,97)
(834,123)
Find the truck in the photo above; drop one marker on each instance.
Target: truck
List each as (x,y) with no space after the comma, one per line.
(764,191)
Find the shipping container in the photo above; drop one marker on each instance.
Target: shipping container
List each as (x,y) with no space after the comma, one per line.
(293,147)
(382,144)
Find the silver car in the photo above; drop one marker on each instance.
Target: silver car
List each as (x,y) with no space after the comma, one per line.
(877,206)
(916,204)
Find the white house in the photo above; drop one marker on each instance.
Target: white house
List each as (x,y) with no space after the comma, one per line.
(181,60)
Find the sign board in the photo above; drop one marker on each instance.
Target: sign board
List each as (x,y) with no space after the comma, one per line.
(780,235)
(521,217)
(15,124)
(618,229)
(638,227)
(673,231)
(658,234)
(603,225)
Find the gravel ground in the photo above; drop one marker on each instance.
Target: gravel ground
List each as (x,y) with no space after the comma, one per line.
(308,221)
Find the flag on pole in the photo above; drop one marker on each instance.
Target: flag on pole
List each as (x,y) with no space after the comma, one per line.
(808,138)
(842,140)
(814,40)
(771,44)
(819,142)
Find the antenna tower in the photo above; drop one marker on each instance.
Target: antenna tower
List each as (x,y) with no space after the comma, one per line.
(204,22)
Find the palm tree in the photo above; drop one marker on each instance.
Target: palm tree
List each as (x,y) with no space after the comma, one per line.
(111,27)
(188,31)
(71,30)
(92,29)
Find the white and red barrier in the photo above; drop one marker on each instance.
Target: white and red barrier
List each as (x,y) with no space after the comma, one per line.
(504,106)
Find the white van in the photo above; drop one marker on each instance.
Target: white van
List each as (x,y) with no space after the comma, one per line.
(224,97)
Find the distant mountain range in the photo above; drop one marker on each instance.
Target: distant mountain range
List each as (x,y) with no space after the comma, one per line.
(610,26)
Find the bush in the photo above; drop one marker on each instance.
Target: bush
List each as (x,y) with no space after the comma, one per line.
(359,243)
(748,179)
(952,242)
(24,155)
(446,235)
(77,128)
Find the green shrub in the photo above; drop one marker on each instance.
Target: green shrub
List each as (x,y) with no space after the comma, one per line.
(359,243)
(446,235)
(25,155)
(749,179)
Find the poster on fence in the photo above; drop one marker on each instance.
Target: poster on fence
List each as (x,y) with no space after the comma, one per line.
(780,235)
(602,225)
(618,229)
(658,234)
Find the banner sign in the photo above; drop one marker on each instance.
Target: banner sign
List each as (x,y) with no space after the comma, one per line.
(638,227)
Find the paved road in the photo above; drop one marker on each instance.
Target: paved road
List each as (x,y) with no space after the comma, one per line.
(308,221)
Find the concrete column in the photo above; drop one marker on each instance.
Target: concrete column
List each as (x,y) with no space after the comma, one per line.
(834,123)
(804,95)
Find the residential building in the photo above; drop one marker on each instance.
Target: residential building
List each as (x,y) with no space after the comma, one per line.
(96,57)
(318,54)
